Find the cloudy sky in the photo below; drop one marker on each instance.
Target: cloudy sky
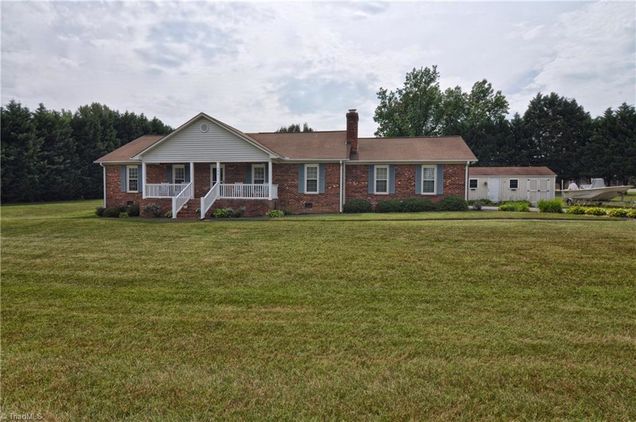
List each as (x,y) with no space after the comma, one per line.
(260,65)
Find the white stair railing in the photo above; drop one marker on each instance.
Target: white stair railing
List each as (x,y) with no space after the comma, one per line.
(181,199)
(208,200)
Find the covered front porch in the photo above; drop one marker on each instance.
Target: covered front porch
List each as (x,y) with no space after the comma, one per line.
(207,182)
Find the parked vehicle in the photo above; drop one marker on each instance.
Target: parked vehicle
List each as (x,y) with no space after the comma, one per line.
(594,192)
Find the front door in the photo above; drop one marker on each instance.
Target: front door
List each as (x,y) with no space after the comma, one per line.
(493,189)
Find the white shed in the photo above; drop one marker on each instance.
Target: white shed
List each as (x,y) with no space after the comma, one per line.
(500,184)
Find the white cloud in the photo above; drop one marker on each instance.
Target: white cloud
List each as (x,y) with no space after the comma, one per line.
(262,65)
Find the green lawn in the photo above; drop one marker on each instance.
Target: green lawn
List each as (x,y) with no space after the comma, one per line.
(317,318)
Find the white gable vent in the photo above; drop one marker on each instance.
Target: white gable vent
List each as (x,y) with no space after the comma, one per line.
(204,127)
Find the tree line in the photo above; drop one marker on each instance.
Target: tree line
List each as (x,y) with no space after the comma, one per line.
(48,155)
(554,131)
(295,128)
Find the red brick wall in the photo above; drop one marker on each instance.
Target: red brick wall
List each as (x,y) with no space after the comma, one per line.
(286,176)
(357,177)
(114,196)
(201,179)
(252,207)
(290,200)
(454,180)
(164,203)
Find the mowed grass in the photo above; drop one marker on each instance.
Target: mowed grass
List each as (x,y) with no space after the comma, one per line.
(310,319)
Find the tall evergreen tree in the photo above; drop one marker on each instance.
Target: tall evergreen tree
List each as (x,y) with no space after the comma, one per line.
(558,129)
(20,154)
(58,155)
(48,155)
(611,152)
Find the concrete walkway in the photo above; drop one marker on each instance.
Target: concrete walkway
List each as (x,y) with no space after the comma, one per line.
(491,208)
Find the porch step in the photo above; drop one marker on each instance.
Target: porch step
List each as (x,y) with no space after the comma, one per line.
(189,210)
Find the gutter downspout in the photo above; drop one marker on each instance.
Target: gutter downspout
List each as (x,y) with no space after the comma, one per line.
(341,186)
(104,182)
(466,182)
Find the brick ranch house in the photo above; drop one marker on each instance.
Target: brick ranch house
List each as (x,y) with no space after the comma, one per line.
(206,164)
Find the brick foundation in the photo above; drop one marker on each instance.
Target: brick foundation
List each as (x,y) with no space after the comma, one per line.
(253,207)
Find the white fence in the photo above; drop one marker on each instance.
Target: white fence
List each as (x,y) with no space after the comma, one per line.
(164,190)
(247,191)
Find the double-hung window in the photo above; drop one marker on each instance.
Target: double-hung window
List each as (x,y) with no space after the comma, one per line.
(133,179)
(428,180)
(258,174)
(311,178)
(514,184)
(381,179)
(178,174)
(213,173)
(472,184)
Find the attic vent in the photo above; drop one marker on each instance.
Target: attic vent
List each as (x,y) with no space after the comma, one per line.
(204,127)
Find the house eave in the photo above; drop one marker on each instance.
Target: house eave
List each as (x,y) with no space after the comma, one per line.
(234,131)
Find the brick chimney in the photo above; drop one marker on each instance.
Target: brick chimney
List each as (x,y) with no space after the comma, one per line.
(352,130)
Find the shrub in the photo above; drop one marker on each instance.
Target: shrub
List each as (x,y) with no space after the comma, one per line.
(520,206)
(357,205)
(483,201)
(550,205)
(222,213)
(595,211)
(418,205)
(133,210)
(631,213)
(153,210)
(452,203)
(617,212)
(477,206)
(237,213)
(168,214)
(100,211)
(275,213)
(576,209)
(390,205)
(508,207)
(111,212)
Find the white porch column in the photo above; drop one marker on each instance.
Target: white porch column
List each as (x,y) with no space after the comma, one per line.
(192,178)
(143,180)
(269,172)
(218,172)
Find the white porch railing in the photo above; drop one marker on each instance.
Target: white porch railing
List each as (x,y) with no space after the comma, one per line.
(164,190)
(181,199)
(208,200)
(247,191)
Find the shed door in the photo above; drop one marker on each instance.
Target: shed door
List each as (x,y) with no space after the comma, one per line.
(544,189)
(493,189)
(533,187)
